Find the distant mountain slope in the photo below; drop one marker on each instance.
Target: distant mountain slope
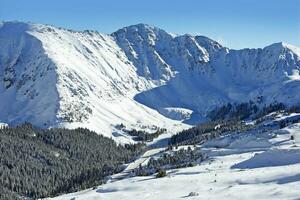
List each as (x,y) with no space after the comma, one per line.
(204,75)
(139,75)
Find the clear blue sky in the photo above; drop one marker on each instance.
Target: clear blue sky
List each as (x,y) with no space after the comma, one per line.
(235,23)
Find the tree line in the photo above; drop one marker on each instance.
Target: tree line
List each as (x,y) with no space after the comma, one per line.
(226,119)
(143,136)
(208,131)
(38,163)
(170,159)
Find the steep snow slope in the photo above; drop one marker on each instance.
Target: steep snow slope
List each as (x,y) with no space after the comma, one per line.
(57,77)
(207,75)
(139,75)
(28,77)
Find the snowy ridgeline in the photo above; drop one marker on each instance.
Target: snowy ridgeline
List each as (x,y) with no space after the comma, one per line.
(139,75)
(262,162)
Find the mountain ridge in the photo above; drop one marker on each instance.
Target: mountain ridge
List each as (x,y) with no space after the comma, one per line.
(139,75)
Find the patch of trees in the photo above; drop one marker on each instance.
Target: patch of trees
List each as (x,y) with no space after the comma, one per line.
(243,111)
(37,163)
(7,194)
(143,136)
(177,159)
(233,122)
(161,173)
(171,159)
(270,108)
(288,121)
(294,109)
(229,111)
(207,131)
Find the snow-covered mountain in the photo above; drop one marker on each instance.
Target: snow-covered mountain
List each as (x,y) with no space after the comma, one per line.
(139,75)
(202,74)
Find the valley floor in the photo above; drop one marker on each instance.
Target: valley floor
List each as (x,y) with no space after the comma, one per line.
(264,166)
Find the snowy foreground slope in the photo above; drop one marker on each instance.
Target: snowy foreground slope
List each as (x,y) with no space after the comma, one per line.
(140,76)
(256,165)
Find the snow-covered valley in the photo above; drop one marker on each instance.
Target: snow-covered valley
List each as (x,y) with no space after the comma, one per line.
(262,164)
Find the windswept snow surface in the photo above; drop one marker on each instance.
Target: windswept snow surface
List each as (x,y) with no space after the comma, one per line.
(251,165)
(138,75)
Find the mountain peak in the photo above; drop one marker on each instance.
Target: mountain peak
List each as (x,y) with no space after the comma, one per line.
(280,46)
(144,30)
(139,26)
(293,48)
(143,25)
(277,45)
(14,26)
